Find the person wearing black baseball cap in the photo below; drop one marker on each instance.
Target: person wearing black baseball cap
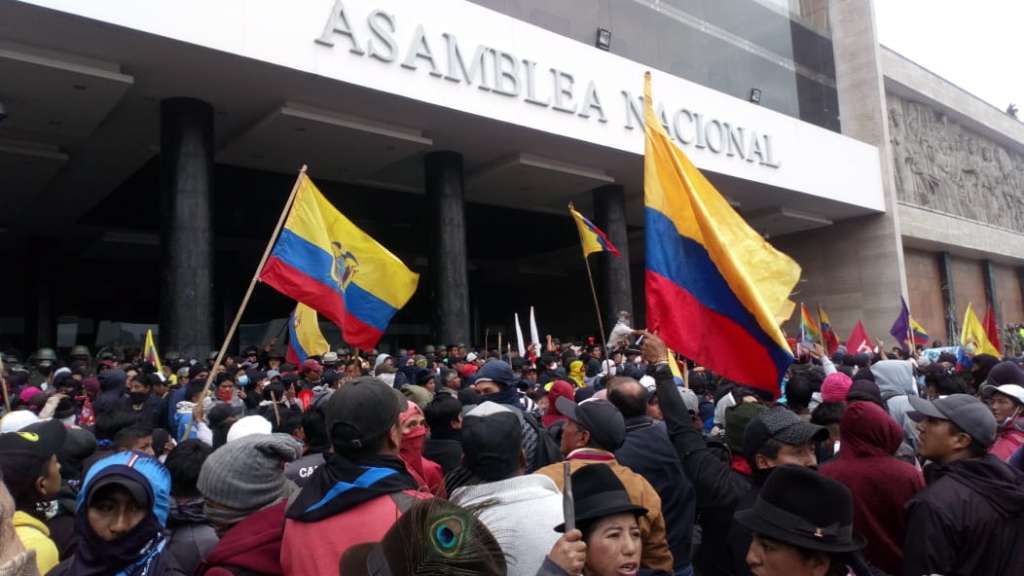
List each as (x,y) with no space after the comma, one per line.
(771,438)
(29,466)
(802,525)
(357,494)
(969,519)
(594,431)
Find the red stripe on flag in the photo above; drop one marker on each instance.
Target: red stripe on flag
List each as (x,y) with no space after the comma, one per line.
(676,315)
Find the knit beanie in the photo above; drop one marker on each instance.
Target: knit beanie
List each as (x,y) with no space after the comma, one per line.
(835,387)
(736,420)
(248,473)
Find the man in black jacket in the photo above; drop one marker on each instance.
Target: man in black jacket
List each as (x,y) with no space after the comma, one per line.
(773,438)
(444,418)
(970,517)
(648,452)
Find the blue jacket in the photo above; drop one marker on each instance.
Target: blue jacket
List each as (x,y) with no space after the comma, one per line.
(648,452)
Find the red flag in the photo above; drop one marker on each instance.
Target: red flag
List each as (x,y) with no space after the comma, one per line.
(991,330)
(860,341)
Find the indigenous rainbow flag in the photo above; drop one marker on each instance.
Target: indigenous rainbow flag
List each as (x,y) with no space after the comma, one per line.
(714,286)
(810,333)
(323,260)
(828,335)
(304,336)
(149,352)
(592,237)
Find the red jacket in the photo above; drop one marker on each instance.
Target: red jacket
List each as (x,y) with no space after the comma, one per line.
(881,484)
(1008,439)
(253,545)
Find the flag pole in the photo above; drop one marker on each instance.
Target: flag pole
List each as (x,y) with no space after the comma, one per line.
(252,283)
(3,384)
(593,292)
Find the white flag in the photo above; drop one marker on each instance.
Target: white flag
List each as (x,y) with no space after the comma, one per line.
(519,338)
(534,333)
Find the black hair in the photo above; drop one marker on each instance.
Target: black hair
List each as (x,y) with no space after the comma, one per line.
(828,413)
(21,483)
(943,382)
(110,424)
(272,391)
(371,447)
(628,395)
(799,390)
(224,376)
(194,388)
(699,383)
(440,412)
(837,565)
(184,464)
(290,422)
(315,428)
(126,438)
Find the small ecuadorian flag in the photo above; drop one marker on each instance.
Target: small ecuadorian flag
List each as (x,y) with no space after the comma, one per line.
(304,336)
(326,262)
(592,237)
(920,335)
(149,352)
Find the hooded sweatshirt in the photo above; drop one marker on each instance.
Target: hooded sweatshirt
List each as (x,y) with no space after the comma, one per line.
(427,473)
(895,379)
(968,521)
(881,485)
(559,388)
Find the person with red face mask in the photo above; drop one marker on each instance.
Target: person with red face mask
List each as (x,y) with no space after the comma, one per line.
(427,473)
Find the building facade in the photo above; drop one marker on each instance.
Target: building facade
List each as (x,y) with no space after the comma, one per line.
(148,148)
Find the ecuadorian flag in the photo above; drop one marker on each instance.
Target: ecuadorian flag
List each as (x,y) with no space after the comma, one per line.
(326,262)
(592,238)
(715,287)
(304,336)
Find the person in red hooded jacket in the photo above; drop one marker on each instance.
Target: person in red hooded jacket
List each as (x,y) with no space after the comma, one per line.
(427,473)
(881,484)
(559,388)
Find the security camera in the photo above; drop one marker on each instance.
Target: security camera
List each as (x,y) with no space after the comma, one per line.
(3,112)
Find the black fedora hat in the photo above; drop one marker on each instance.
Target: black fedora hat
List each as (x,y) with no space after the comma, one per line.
(802,508)
(596,493)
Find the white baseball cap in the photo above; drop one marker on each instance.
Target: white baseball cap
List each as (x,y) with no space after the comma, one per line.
(1014,391)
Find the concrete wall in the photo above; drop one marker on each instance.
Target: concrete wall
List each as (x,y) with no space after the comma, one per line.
(1009,294)
(924,282)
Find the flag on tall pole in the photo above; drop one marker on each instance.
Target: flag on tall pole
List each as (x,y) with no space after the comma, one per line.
(591,237)
(534,334)
(860,342)
(304,336)
(900,329)
(810,332)
(714,286)
(992,329)
(918,332)
(520,345)
(149,352)
(828,335)
(323,260)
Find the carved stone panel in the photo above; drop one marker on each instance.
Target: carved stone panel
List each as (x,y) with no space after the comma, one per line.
(943,166)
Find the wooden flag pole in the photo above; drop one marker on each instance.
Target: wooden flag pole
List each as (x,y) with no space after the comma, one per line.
(597,309)
(3,384)
(252,283)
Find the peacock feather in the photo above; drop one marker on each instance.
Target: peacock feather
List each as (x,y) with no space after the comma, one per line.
(439,537)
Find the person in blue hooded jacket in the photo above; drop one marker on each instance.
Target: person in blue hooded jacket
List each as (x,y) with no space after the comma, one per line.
(122,512)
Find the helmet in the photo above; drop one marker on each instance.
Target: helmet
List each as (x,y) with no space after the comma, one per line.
(172,355)
(213,355)
(250,351)
(429,349)
(79,351)
(107,354)
(44,354)
(330,358)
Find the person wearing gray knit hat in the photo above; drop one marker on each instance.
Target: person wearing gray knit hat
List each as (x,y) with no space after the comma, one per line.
(245,476)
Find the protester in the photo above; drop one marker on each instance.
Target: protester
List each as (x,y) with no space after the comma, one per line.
(521,511)
(317,445)
(363,424)
(192,536)
(880,484)
(802,525)
(122,512)
(15,559)
(1005,396)
(444,419)
(895,380)
(593,432)
(970,517)
(246,494)
(607,540)
(495,382)
(29,466)
(648,452)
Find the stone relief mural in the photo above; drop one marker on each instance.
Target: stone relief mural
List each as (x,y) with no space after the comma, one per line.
(943,166)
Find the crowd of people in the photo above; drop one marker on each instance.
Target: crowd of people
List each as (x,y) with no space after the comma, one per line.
(461,461)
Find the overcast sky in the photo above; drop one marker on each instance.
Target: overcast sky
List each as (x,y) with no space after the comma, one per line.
(976,44)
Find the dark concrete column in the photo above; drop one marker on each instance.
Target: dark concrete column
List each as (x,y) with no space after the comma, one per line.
(949,297)
(616,287)
(40,308)
(186,226)
(449,282)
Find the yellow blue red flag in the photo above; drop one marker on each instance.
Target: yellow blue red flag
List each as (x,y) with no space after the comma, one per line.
(974,337)
(714,286)
(149,352)
(326,262)
(592,238)
(304,336)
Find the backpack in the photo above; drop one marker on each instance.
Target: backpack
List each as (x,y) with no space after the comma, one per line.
(547,450)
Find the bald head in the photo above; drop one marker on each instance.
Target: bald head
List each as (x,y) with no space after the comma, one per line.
(628,395)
